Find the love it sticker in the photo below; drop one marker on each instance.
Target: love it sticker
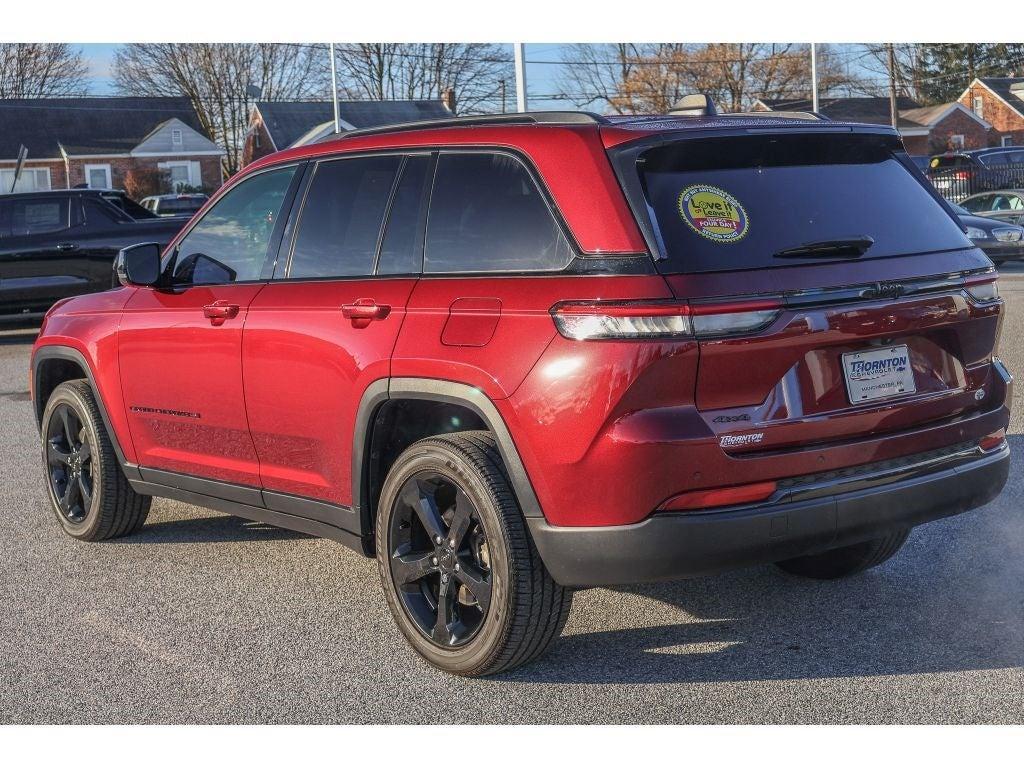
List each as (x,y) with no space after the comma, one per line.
(713,213)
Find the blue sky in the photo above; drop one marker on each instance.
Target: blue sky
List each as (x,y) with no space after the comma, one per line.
(539,77)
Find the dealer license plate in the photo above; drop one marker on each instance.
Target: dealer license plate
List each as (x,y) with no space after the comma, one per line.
(878,373)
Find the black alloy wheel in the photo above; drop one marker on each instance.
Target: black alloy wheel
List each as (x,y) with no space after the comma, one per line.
(439,559)
(69,461)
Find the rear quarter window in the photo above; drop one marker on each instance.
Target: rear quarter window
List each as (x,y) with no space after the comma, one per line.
(732,203)
(488,215)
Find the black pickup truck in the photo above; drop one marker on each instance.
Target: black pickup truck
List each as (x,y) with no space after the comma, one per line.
(63,243)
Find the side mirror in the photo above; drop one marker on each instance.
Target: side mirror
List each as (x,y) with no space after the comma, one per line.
(138,264)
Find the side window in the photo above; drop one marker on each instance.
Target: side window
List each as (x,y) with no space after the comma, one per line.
(101,212)
(230,242)
(487,215)
(977,204)
(1000,203)
(5,219)
(1016,204)
(399,254)
(36,217)
(342,216)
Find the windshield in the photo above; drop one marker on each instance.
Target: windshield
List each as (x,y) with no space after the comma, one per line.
(739,202)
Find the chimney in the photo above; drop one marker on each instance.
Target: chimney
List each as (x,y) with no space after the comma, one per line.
(448,99)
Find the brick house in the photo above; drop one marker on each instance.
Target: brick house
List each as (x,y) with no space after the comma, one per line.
(925,130)
(277,125)
(1000,101)
(95,142)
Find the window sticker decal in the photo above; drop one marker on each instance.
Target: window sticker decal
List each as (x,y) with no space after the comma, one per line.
(713,213)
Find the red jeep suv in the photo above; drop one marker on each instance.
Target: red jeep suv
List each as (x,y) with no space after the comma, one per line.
(512,355)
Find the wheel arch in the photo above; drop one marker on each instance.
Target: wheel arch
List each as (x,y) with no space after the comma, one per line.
(442,393)
(54,364)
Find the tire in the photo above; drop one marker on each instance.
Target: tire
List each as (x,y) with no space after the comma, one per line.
(461,476)
(845,561)
(90,495)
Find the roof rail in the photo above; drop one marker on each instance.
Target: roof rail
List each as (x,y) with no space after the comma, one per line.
(511,118)
(789,114)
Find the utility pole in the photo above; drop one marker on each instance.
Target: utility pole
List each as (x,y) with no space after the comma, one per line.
(814,79)
(893,112)
(520,57)
(502,83)
(334,92)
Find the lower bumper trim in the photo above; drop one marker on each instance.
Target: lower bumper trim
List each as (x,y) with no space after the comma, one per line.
(669,546)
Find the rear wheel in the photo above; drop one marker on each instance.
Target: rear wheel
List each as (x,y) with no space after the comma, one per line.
(87,488)
(846,561)
(464,582)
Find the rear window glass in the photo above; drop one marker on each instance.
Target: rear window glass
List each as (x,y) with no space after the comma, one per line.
(189,205)
(735,202)
(945,162)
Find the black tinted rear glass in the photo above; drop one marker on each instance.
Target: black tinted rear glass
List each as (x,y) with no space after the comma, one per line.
(178,207)
(487,215)
(735,202)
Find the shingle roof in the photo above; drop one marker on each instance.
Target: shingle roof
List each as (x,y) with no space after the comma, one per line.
(860,109)
(86,126)
(1001,86)
(287,121)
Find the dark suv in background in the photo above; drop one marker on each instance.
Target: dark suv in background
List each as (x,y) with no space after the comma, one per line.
(959,174)
(508,356)
(62,243)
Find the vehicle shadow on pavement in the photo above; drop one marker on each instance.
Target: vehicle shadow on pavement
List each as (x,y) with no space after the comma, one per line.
(17,337)
(217,528)
(951,600)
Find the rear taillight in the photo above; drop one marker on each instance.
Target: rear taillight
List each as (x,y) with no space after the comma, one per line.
(627,320)
(653,320)
(993,441)
(720,497)
(984,290)
(737,317)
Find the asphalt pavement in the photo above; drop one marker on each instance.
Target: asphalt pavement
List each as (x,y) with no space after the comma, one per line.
(205,618)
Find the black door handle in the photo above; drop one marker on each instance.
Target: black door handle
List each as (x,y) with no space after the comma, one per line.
(63,247)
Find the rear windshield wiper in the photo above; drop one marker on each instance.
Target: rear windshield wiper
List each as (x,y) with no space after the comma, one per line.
(847,247)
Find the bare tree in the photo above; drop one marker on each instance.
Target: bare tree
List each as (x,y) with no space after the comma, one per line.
(383,71)
(40,70)
(626,78)
(629,78)
(222,80)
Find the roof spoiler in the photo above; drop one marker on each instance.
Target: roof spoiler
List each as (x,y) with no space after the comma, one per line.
(694,105)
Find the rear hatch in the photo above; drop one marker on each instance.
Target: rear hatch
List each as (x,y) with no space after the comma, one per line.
(833,293)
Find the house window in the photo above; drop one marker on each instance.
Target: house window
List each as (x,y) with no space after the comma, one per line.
(956,141)
(176,137)
(1006,141)
(183,173)
(979,106)
(98,176)
(31,180)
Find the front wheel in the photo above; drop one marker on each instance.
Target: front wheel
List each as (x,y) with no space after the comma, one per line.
(846,561)
(87,488)
(462,577)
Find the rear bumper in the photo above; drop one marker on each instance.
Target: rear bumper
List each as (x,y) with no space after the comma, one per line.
(674,545)
(998,251)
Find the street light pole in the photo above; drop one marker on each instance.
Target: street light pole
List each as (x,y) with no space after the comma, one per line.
(520,57)
(893,110)
(334,92)
(814,79)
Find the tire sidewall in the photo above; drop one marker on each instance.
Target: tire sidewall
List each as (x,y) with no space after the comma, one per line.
(67,395)
(491,637)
